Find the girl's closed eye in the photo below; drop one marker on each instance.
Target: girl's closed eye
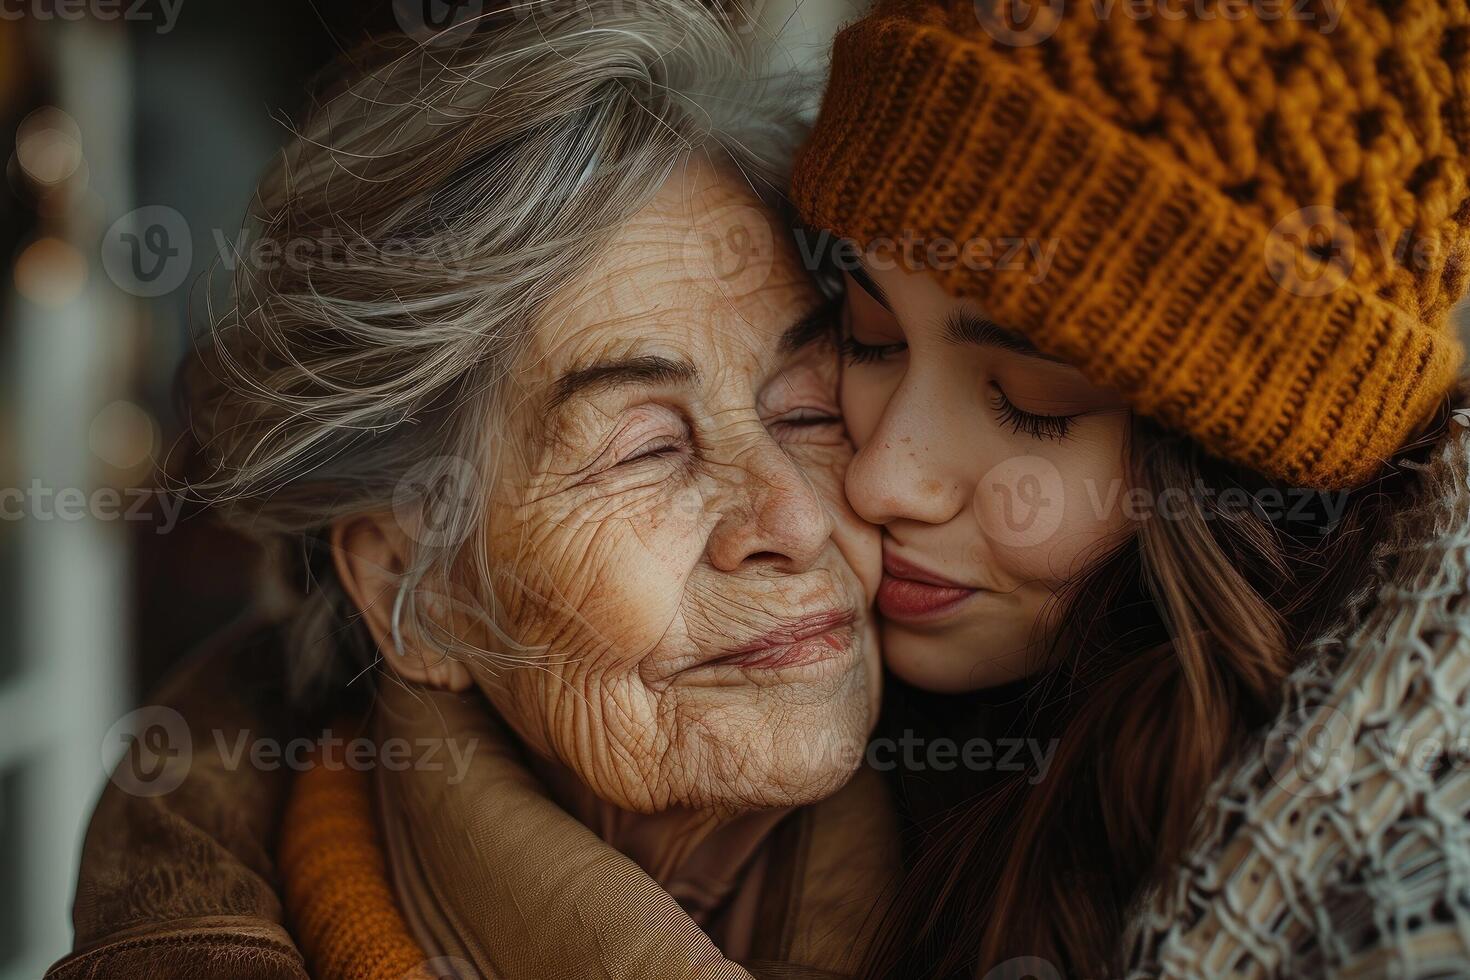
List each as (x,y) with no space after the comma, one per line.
(869,333)
(806,424)
(1055,427)
(855,351)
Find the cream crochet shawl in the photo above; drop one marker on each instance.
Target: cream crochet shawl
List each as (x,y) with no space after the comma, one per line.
(1339,844)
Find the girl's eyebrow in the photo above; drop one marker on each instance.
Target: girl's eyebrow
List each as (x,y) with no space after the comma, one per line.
(968,327)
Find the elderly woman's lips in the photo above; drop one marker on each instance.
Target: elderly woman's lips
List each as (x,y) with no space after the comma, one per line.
(797,642)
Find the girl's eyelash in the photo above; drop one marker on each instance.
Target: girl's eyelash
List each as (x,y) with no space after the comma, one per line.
(854,352)
(1037,426)
(807,417)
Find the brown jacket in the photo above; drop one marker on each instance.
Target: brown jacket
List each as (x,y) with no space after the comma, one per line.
(184,884)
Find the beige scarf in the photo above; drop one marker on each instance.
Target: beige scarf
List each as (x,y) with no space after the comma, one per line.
(494,871)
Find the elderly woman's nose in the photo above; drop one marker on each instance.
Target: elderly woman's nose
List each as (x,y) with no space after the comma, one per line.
(773,514)
(906,469)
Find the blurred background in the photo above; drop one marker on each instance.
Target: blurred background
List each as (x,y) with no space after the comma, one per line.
(133,134)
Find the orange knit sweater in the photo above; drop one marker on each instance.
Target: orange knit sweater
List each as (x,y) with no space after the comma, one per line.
(339,900)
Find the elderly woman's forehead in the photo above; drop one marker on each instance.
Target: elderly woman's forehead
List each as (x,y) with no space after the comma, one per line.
(658,308)
(657,282)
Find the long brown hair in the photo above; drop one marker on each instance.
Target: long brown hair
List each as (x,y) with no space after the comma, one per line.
(1168,651)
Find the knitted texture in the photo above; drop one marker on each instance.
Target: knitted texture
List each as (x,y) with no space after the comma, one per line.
(1259,222)
(1338,844)
(339,900)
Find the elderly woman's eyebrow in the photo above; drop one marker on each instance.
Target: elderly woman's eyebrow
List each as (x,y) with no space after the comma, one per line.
(646,370)
(965,327)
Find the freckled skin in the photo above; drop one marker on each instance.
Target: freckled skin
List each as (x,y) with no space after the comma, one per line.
(953,498)
(629,573)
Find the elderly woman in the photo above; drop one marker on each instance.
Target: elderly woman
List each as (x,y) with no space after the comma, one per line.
(552,420)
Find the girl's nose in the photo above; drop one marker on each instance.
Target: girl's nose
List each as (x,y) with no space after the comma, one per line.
(905,471)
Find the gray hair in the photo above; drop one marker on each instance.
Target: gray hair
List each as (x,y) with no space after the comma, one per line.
(425,214)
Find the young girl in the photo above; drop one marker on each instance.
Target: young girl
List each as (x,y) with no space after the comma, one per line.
(1148,367)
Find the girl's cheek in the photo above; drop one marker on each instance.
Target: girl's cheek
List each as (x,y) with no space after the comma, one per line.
(1020,504)
(1045,516)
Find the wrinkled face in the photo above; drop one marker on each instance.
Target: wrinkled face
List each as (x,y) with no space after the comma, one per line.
(996,473)
(672,532)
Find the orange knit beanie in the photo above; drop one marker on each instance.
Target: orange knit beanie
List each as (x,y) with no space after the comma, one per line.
(1256,210)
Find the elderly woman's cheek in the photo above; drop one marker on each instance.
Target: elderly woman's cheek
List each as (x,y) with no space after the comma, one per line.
(601,592)
(610,576)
